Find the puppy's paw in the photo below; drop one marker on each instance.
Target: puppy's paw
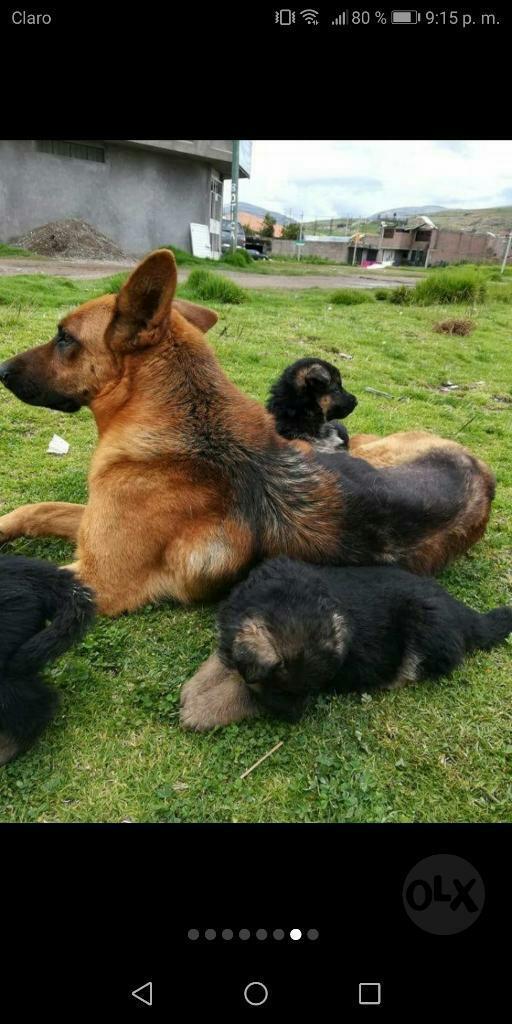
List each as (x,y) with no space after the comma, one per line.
(9,748)
(215,696)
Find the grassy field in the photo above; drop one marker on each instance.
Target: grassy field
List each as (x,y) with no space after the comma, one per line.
(287,265)
(8,251)
(427,753)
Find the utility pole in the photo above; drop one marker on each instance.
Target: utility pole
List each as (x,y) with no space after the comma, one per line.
(355,245)
(507,250)
(234,193)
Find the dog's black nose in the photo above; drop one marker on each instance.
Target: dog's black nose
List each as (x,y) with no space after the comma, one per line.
(4,372)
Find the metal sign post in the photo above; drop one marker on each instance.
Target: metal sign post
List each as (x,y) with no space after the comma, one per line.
(507,250)
(234,193)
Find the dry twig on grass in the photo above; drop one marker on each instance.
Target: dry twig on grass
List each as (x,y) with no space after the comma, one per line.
(264,758)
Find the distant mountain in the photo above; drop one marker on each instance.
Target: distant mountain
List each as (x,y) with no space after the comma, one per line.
(259,211)
(406,211)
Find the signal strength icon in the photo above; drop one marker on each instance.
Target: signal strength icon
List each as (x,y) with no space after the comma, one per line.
(341,19)
(310,16)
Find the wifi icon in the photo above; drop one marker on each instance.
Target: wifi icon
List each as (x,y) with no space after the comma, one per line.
(310,16)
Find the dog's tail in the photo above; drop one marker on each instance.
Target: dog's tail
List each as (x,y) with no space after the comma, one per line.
(489,629)
(27,703)
(70,609)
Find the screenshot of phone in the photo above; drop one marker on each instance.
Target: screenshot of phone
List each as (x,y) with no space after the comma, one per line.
(255,569)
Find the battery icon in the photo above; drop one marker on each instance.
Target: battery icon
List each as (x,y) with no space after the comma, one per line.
(405,17)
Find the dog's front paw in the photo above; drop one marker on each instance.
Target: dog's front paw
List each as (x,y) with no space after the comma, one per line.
(214,696)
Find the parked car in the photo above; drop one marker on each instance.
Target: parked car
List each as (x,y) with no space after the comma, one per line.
(226,236)
(256,254)
(258,248)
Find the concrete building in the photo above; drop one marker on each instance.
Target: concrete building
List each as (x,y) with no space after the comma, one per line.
(140,193)
(420,243)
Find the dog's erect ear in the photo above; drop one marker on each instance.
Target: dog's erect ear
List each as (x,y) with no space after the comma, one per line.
(200,316)
(317,374)
(149,291)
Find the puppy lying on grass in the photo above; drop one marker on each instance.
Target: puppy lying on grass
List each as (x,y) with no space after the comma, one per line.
(292,630)
(305,400)
(43,611)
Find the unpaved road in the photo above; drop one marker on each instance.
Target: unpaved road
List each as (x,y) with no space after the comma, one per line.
(81,269)
(84,269)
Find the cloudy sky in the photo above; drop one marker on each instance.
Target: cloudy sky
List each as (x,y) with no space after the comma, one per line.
(328,179)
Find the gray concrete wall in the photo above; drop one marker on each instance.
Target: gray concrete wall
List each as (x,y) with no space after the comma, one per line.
(328,250)
(139,199)
(218,152)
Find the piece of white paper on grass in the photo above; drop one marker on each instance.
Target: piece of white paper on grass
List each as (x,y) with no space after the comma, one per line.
(57,446)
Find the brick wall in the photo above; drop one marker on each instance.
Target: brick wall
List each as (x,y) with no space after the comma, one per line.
(461,245)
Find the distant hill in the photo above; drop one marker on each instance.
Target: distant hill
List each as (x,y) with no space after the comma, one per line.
(259,211)
(406,211)
(497,219)
(341,226)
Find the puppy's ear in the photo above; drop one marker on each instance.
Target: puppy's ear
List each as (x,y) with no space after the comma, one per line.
(200,316)
(336,639)
(317,374)
(254,641)
(149,291)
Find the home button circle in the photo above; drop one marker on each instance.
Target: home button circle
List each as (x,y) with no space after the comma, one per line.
(256,993)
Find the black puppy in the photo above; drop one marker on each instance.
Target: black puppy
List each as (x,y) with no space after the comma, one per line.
(308,395)
(291,630)
(43,611)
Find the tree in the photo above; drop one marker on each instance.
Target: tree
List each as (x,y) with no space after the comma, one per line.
(267,228)
(291,231)
(249,231)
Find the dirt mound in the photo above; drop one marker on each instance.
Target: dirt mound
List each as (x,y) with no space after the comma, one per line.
(461,327)
(70,239)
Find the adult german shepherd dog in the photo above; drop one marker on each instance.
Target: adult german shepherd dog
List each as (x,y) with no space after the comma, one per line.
(191,483)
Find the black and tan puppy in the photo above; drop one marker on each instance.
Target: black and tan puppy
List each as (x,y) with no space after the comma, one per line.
(292,630)
(307,399)
(43,611)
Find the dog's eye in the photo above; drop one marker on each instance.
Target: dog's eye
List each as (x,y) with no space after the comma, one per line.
(64,341)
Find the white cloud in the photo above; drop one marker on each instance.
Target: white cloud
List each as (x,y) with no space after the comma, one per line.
(332,178)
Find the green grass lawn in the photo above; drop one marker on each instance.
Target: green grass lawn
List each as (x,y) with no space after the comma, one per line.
(8,251)
(427,753)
